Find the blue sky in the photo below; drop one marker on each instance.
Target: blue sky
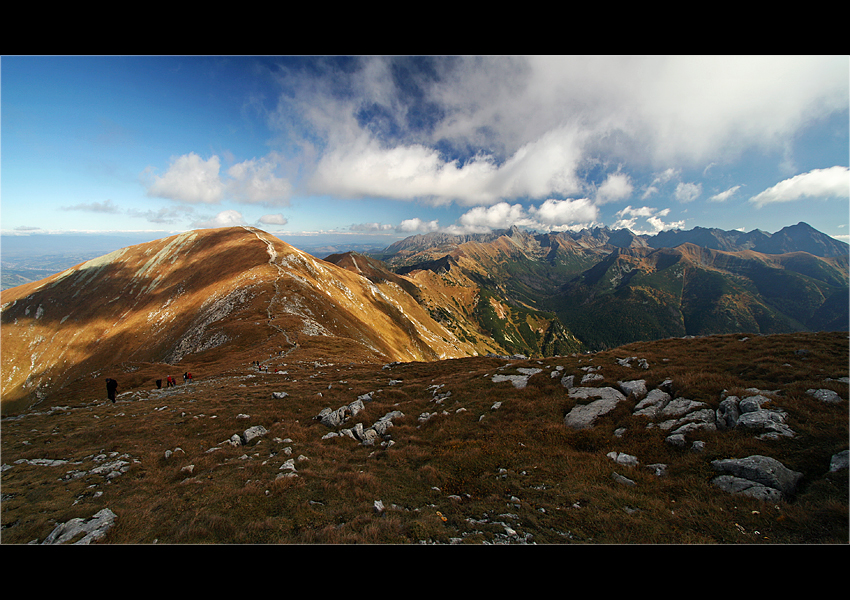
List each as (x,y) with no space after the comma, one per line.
(385,147)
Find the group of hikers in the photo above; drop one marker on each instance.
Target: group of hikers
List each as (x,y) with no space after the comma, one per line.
(171,382)
(112,385)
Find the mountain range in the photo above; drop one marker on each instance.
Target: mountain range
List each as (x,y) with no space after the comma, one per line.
(214,298)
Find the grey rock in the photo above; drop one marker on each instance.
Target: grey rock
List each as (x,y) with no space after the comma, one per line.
(622,458)
(770,423)
(633,389)
(652,404)
(727,413)
(739,485)
(761,470)
(93,529)
(583,416)
(591,377)
(676,439)
(253,433)
(838,461)
(753,403)
(824,395)
(679,407)
(660,469)
(621,479)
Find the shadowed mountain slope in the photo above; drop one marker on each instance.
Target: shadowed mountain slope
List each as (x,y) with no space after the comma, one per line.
(644,294)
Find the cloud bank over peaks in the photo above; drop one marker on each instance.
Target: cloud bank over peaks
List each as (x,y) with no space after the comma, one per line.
(552,215)
(628,219)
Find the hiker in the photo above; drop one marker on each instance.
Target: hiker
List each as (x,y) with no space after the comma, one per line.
(189,376)
(111,387)
(159,384)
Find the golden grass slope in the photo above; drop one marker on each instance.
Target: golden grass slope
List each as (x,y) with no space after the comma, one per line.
(201,294)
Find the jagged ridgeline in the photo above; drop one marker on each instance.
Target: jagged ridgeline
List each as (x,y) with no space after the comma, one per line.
(608,288)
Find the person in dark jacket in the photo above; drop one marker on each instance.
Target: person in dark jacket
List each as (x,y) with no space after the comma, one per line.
(111,387)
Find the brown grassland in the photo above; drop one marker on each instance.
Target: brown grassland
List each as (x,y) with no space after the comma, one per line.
(470,473)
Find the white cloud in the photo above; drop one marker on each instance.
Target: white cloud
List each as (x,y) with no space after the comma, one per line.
(255,182)
(365,168)
(226,218)
(725,195)
(688,192)
(833,182)
(417,224)
(557,213)
(628,219)
(499,216)
(616,187)
(189,179)
(552,215)
(535,120)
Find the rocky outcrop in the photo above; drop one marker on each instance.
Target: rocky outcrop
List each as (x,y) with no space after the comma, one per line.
(335,418)
(368,436)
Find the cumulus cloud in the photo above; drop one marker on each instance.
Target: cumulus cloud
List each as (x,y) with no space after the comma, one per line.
(833,182)
(365,168)
(552,215)
(482,130)
(416,225)
(483,219)
(557,213)
(255,182)
(688,192)
(193,180)
(616,187)
(190,179)
(226,218)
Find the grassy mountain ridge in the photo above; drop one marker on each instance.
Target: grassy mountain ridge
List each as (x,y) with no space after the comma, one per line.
(202,296)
